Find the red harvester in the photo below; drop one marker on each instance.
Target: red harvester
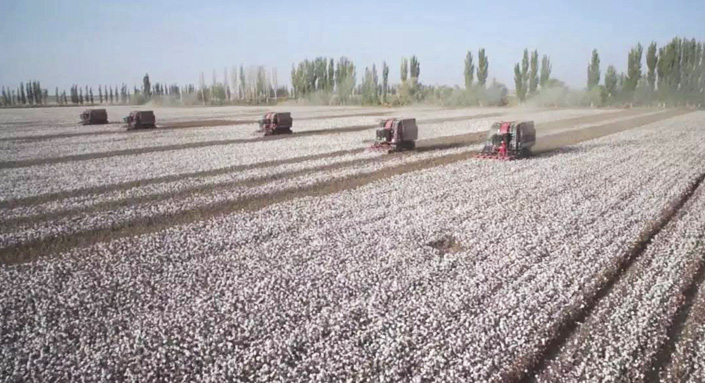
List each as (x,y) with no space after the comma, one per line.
(276,123)
(509,140)
(396,134)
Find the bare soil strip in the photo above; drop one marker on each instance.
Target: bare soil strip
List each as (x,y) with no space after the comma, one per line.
(31,250)
(572,320)
(209,188)
(43,198)
(572,137)
(58,135)
(203,144)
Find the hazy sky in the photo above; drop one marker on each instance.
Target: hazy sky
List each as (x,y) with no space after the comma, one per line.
(97,42)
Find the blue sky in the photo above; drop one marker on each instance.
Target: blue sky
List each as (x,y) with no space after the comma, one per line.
(97,42)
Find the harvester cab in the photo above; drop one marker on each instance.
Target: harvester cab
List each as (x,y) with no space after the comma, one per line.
(509,140)
(276,123)
(144,119)
(94,117)
(396,134)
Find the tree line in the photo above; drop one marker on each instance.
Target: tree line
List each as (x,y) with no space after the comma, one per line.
(29,93)
(336,82)
(673,75)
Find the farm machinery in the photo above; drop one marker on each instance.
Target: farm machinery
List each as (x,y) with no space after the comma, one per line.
(276,123)
(144,119)
(396,134)
(509,140)
(94,117)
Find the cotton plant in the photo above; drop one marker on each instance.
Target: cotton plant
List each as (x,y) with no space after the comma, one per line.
(351,286)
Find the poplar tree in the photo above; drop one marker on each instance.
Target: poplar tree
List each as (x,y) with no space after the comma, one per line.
(633,68)
(534,76)
(525,73)
(483,65)
(545,71)
(404,69)
(385,80)
(469,70)
(611,82)
(519,83)
(651,62)
(593,71)
(414,67)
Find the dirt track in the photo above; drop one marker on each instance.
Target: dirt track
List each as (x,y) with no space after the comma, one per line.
(31,250)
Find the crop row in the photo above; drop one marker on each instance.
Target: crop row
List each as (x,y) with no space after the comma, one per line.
(129,210)
(626,330)
(687,363)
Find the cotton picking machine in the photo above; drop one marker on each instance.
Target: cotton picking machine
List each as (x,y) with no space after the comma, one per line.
(276,123)
(143,119)
(509,140)
(396,134)
(94,117)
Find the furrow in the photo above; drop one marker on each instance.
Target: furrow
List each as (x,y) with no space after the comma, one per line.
(536,363)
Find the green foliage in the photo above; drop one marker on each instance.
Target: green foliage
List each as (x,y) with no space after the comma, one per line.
(611,82)
(534,74)
(385,80)
(331,75)
(146,87)
(243,82)
(404,69)
(593,71)
(651,62)
(642,93)
(483,65)
(545,71)
(345,79)
(414,68)
(519,83)
(525,73)
(469,71)
(633,70)
(218,93)
(369,87)
(597,96)
(23,97)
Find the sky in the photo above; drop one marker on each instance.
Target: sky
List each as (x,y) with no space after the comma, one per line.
(92,42)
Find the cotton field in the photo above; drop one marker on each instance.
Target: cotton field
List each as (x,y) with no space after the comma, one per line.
(202,251)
